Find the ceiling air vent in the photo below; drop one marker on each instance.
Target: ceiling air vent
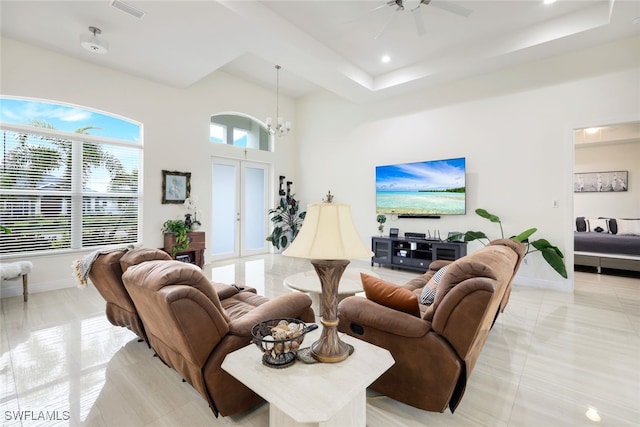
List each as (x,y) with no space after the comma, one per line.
(128,9)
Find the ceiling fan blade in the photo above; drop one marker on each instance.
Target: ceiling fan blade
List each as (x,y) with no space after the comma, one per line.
(382,6)
(384,27)
(451,7)
(417,16)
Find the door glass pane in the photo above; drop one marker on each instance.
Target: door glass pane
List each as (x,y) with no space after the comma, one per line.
(254,209)
(223,224)
(217,133)
(240,137)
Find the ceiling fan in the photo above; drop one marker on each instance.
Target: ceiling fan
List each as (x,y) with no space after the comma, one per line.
(417,15)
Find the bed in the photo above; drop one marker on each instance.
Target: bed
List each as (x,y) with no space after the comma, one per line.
(607,243)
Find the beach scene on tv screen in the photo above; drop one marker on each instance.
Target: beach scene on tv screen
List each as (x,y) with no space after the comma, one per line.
(434,187)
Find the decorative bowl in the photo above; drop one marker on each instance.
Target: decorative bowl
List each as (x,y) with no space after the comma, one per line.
(279,340)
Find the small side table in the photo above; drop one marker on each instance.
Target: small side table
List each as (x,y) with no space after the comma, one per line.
(320,394)
(193,254)
(309,282)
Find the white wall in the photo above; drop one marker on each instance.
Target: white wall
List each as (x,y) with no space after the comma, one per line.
(176,131)
(516,137)
(610,157)
(514,127)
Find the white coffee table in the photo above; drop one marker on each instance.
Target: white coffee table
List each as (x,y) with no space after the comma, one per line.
(309,282)
(321,394)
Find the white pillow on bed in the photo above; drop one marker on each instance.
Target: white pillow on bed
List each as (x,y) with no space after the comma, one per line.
(628,227)
(593,223)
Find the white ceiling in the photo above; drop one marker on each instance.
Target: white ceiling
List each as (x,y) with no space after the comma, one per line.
(335,45)
(618,133)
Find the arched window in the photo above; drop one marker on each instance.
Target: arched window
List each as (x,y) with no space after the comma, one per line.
(68,177)
(240,131)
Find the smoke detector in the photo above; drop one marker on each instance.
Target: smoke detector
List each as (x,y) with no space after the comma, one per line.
(92,43)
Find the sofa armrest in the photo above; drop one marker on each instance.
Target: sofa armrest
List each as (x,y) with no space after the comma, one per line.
(287,305)
(369,314)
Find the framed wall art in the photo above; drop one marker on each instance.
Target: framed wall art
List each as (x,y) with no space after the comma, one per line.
(600,182)
(176,186)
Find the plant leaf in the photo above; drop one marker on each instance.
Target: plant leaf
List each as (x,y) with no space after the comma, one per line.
(543,244)
(470,236)
(550,254)
(525,235)
(484,214)
(455,237)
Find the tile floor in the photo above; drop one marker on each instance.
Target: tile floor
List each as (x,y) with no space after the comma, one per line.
(552,359)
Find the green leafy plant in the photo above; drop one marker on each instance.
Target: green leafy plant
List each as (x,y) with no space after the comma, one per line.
(551,254)
(4,229)
(381,219)
(287,222)
(180,229)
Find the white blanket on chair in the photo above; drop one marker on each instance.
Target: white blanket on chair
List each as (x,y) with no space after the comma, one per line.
(82,266)
(13,270)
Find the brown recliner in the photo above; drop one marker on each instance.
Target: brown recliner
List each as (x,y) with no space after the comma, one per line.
(415,285)
(436,353)
(106,276)
(192,330)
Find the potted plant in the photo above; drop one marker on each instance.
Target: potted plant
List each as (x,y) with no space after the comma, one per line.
(286,220)
(551,254)
(180,229)
(381,219)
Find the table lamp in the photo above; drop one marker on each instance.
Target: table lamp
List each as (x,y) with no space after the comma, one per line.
(329,239)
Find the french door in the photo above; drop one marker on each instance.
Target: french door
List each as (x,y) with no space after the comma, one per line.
(239,220)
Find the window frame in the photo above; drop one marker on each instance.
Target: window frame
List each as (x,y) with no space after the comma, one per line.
(77,192)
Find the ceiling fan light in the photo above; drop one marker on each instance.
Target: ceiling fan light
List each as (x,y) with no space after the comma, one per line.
(92,43)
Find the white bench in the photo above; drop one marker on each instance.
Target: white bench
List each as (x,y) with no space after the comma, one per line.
(13,270)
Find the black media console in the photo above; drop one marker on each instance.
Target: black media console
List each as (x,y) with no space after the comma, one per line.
(415,254)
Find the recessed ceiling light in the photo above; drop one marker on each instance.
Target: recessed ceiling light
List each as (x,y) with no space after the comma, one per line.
(549,1)
(385,58)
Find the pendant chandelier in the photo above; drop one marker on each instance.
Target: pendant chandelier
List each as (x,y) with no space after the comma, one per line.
(281,127)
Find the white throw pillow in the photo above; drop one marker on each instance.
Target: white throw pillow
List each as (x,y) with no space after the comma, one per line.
(628,227)
(430,289)
(597,225)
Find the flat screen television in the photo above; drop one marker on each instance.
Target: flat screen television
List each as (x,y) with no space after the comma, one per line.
(422,189)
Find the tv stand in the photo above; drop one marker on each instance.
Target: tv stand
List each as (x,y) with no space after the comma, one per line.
(412,253)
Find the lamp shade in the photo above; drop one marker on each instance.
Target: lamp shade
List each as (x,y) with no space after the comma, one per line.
(328,233)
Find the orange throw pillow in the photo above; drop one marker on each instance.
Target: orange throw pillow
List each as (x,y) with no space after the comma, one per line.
(390,295)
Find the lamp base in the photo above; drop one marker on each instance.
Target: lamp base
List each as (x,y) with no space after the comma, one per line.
(329,348)
(304,355)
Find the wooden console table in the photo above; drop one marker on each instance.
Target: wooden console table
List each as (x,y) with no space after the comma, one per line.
(193,254)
